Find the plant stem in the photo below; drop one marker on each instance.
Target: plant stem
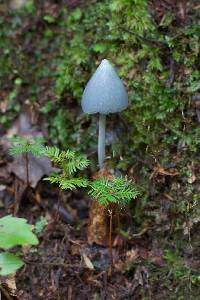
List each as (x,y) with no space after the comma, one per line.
(110,239)
(27,168)
(101,141)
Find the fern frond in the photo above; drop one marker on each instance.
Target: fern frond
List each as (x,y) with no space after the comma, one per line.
(65,183)
(73,183)
(68,160)
(78,163)
(116,190)
(70,154)
(54,178)
(52,152)
(16,151)
(20,145)
(36,146)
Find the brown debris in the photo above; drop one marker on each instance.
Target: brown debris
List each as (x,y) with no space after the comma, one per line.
(158,170)
(8,286)
(177,8)
(98,227)
(38,167)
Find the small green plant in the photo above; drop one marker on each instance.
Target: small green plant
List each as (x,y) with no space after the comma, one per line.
(109,191)
(40,224)
(113,192)
(22,146)
(14,232)
(177,265)
(68,162)
(183,275)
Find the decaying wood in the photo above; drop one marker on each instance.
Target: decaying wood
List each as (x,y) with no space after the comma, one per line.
(98,220)
(97,227)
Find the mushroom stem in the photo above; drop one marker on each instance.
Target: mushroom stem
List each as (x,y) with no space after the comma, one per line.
(101,141)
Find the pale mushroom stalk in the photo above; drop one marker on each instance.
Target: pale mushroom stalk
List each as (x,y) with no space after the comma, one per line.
(101,140)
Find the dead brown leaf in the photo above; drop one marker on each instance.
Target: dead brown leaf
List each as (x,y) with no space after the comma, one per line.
(87,261)
(38,167)
(192,178)
(158,170)
(132,255)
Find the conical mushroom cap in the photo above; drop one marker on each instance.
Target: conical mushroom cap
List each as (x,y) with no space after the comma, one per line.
(105,92)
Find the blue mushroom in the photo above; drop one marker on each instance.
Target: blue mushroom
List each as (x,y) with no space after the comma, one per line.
(104,94)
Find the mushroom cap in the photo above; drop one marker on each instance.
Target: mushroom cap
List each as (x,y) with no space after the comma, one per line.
(105,92)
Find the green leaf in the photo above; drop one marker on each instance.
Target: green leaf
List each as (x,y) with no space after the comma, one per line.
(77,14)
(49,19)
(99,48)
(9,263)
(40,225)
(16,231)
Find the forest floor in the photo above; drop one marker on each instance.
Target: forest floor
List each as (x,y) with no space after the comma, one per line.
(64,265)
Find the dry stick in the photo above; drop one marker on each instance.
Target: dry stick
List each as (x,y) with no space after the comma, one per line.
(110,239)
(50,264)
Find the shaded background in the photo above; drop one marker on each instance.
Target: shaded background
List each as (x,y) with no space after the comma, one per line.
(48,51)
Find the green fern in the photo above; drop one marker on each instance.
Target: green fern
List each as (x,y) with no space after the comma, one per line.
(67,183)
(117,190)
(69,161)
(21,145)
